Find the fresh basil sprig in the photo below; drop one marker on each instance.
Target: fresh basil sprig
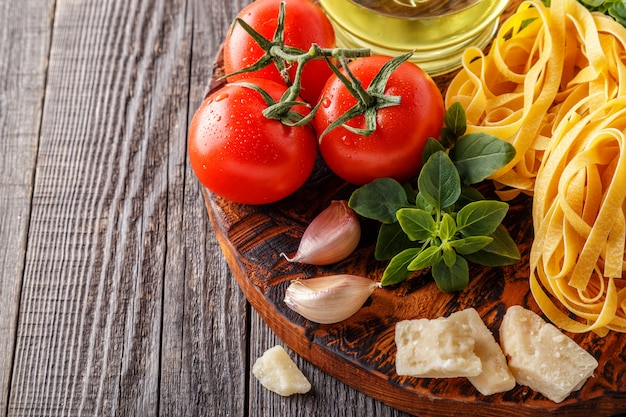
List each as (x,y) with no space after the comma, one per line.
(445,222)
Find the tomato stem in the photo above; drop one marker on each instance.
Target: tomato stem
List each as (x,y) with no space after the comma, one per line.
(368,100)
(284,56)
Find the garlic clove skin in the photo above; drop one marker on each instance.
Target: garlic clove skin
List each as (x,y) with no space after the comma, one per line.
(331,237)
(329,299)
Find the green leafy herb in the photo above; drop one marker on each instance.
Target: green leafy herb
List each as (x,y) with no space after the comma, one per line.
(380,200)
(477,155)
(439,182)
(444,222)
(614,8)
(391,241)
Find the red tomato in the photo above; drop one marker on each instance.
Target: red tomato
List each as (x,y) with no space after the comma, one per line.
(239,154)
(305,24)
(395,148)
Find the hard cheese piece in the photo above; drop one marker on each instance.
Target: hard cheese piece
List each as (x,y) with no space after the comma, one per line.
(542,357)
(278,373)
(496,376)
(437,348)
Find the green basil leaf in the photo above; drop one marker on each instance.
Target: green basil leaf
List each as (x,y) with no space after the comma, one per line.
(379,200)
(411,193)
(427,257)
(391,241)
(500,252)
(478,155)
(455,119)
(470,244)
(454,278)
(416,223)
(439,181)
(430,147)
(481,218)
(421,203)
(618,12)
(449,256)
(397,270)
(447,138)
(447,227)
(592,3)
(468,195)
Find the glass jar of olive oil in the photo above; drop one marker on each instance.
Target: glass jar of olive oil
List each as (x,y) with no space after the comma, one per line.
(438,31)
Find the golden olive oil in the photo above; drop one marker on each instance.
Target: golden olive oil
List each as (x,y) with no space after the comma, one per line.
(415,8)
(437,31)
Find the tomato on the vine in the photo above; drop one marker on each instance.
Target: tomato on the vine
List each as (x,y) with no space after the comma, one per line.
(395,148)
(305,24)
(239,154)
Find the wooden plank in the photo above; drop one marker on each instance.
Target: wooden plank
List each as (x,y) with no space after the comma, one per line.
(24,45)
(205,315)
(89,335)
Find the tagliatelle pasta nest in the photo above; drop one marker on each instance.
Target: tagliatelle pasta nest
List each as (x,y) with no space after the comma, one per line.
(578,214)
(552,84)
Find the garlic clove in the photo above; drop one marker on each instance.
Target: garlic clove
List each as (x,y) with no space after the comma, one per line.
(331,237)
(329,299)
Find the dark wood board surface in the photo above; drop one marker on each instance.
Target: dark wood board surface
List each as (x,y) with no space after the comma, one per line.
(361,350)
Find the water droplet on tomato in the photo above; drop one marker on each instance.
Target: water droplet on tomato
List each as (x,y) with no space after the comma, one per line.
(221,96)
(326,102)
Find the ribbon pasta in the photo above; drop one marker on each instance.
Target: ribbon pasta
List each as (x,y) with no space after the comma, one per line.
(577,256)
(554,85)
(544,62)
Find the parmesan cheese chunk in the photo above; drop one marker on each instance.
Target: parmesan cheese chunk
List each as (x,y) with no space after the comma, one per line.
(278,373)
(437,348)
(542,357)
(496,376)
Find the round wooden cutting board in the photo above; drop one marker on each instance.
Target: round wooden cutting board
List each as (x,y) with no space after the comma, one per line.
(361,351)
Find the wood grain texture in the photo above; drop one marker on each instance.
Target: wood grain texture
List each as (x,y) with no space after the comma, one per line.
(89,334)
(88,338)
(25,31)
(205,314)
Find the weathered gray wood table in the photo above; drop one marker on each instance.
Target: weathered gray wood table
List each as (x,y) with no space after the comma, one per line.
(114,296)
